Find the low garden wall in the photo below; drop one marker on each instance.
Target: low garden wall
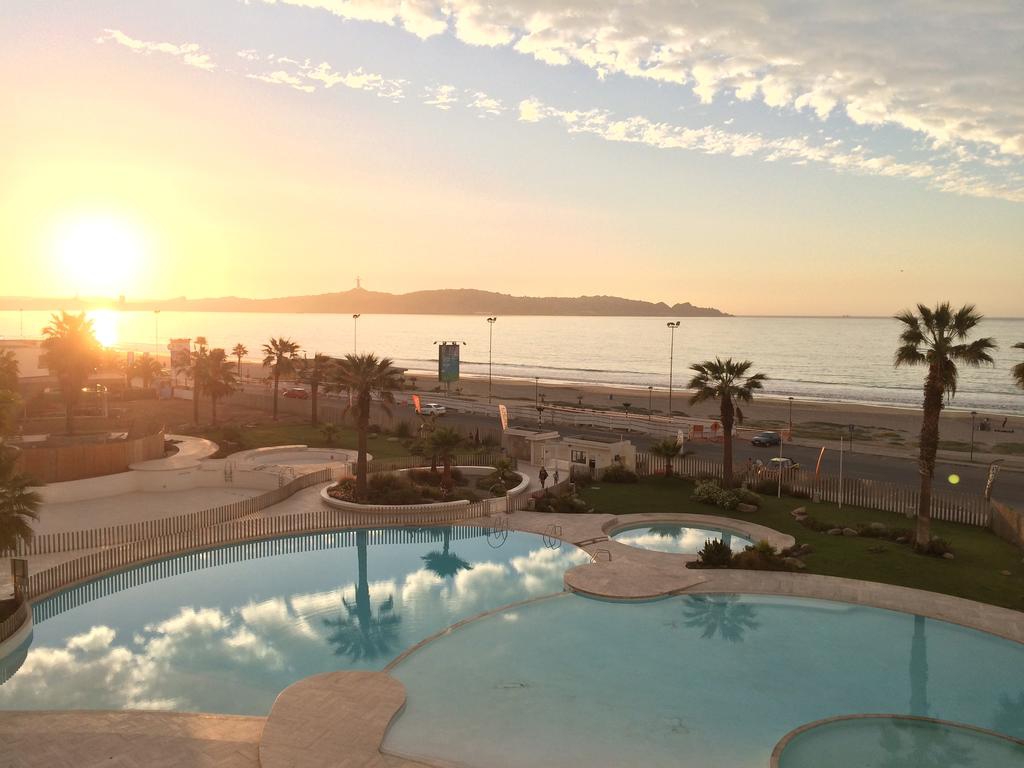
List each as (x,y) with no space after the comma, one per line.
(83,459)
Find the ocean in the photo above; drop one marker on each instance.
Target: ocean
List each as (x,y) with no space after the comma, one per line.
(814,358)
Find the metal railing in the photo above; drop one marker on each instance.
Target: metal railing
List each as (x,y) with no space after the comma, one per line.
(13,623)
(870,494)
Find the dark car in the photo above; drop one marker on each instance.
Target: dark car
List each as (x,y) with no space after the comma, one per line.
(767,438)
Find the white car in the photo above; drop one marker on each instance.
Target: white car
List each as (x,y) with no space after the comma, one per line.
(433,409)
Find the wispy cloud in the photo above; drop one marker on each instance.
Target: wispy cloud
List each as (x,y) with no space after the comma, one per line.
(190,53)
(441,96)
(949,71)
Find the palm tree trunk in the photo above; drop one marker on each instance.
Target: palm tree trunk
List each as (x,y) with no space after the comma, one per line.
(313,414)
(363,430)
(69,406)
(213,410)
(726,413)
(277,382)
(919,670)
(926,458)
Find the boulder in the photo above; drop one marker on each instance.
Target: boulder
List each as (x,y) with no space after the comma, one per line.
(835,531)
(880,527)
(850,532)
(746,508)
(799,512)
(794,562)
(948,555)
(1006,573)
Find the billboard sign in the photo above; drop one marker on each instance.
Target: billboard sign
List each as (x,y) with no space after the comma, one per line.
(503,414)
(448,362)
(181,355)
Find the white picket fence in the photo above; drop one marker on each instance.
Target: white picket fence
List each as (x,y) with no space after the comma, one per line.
(870,494)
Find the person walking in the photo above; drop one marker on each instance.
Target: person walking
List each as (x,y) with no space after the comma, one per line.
(556,476)
(543,477)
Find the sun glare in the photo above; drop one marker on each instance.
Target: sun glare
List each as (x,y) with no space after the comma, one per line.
(100,255)
(104,323)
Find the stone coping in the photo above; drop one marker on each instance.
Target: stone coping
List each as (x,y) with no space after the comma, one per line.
(785,740)
(267,454)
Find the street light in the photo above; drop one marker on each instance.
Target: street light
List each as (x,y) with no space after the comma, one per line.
(490,344)
(973,414)
(671,360)
(536,390)
(355,334)
(650,402)
(791,419)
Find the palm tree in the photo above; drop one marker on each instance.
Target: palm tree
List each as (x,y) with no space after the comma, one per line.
(18,503)
(725,381)
(147,368)
(444,563)
(330,433)
(215,377)
(365,376)
(445,442)
(721,615)
(937,338)
(280,356)
(668,449)
(71,353)
(239,351)
(1018,369)
(8,370)
(314,372)
(359,634)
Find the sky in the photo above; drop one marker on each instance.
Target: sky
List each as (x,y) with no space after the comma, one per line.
(762,157)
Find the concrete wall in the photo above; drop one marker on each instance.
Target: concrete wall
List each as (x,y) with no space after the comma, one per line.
(61,463)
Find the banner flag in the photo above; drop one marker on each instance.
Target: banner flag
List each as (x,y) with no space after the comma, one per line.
(416,403)
(503,413)
(993,470)
(817,469)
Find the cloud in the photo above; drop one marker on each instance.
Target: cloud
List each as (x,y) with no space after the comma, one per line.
(280,77)
(486,106)
(949,71)
(190,53)
(441,96)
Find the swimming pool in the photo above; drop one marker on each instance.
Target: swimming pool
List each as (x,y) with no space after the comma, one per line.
(879,742)
(225,630)
(702,681)
(678,538)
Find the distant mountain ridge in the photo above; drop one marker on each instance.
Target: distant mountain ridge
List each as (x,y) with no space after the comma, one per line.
(447,301)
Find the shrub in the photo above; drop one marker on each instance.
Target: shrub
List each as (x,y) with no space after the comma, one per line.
(345,490)
(715,554)
(937,547)
(708,492)
(755,559)
(617,473)
(425,476)
(403,429)
(382,482)
(747,496)
(231,433)
(560,504)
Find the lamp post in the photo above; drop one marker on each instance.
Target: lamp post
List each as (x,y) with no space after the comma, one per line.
(650,402)
(490,345)
(21,323)
(355,334)
(671,360)
(536,390)
(973,414)
(791,419)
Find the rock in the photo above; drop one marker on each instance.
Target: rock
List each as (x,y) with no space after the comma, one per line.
(746,508)
(948,555)
(1006,573)
(880,527)
(835,531)
(850,532)
(799,512)
(794,562)
(902,540)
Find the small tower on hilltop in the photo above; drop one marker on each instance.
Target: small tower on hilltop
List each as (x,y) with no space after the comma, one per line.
(359,283)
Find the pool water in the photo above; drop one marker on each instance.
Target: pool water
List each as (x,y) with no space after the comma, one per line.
(679,539)
(701,681)
(227,629)
(887,742)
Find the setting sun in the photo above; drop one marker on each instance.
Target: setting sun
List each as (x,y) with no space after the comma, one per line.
(100,254)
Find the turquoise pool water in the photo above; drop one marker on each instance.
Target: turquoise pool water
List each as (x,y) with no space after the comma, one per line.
(227,629)
(891,742)
(702,682)
(680,539)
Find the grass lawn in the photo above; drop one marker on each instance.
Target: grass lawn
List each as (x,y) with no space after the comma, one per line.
(974,574)
(265,435)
